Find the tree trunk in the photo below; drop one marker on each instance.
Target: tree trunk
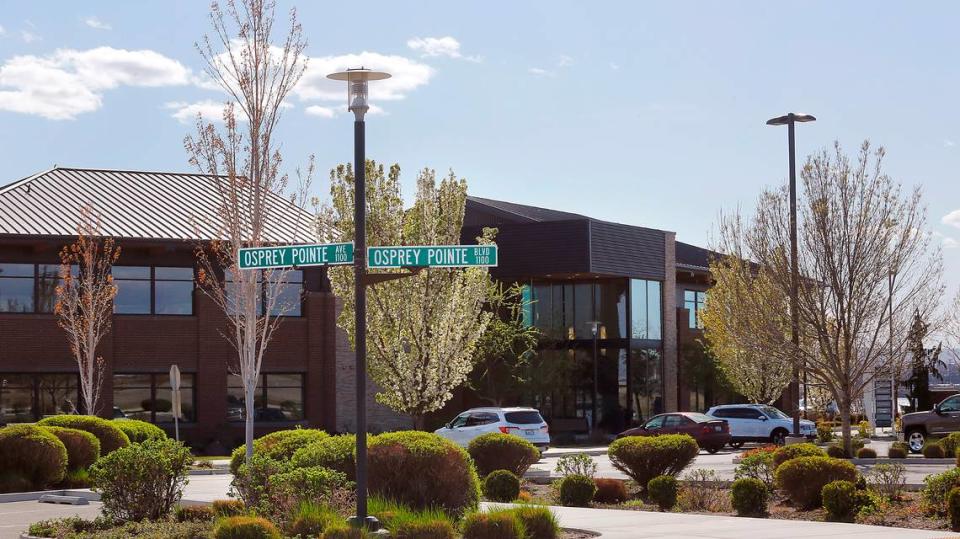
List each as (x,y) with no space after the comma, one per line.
(845,425)
(249,391)
(420,422)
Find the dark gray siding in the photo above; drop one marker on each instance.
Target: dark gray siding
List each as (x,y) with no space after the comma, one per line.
(537,249)
(626,250)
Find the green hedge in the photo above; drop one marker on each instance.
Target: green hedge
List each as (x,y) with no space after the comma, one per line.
(645,457)
(334,452)
(139,431)
(110,436)
(499,451)
(30,455)
(788,452)
(280,445)
(83,448)
(803,478)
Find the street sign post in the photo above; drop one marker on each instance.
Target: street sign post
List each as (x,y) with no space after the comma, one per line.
(283,256)
(175,399)
(432,256)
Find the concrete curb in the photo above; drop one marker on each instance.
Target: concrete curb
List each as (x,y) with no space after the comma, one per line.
(35,495)
(209,471)
(591,452)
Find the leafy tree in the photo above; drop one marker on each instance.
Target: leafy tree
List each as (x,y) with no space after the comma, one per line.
(924,363)
(703,373)
(422,330)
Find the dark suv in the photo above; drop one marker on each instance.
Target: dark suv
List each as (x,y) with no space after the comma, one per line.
(942,420)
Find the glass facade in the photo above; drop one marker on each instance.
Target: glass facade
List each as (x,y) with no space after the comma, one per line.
(25,398)
(645,310)
(29,288)
(693,302)
(148,397)
(153,290)
(278,397)
(565,310)
(286,287)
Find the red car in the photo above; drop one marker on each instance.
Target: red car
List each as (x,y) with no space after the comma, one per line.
(709,432)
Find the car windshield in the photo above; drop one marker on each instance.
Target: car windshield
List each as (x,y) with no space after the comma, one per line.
(530,417)
(700,418)
(773,413)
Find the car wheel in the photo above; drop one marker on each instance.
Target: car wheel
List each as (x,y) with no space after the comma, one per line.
(736,445)
(915,440)
(778,436)
(712,449)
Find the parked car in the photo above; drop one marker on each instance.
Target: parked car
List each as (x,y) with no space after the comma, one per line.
(759,423)
(526,423)
(710,433)
(942,420)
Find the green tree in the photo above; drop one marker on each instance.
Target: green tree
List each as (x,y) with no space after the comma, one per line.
(924,363)
(422,330)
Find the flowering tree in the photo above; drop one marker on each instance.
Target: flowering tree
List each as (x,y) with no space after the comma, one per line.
(243,161)
(84,305)
(423,329)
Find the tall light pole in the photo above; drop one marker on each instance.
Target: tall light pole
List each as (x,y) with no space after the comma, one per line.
(789,120)
(595,330)
(357,102)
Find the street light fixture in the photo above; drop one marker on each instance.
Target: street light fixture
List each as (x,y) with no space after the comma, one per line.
(357,103)
(595,331)
(790,120)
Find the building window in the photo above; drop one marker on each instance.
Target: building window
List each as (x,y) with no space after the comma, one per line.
(285,286)
(25,398)
(645,312)
(16,288)
(153,290)
(148,397)
(278,397)
(693,302)
(565,310)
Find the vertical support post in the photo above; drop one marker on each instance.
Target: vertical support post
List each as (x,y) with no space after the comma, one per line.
(596,383)
(794,282)
(359,273)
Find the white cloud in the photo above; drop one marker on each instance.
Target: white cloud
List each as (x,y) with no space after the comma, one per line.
(565,61)
(439,46)
(69,82)
(539,71)
(947,143)
(3,31)
(29,37)
(330,112)
(406,75)
(94,22)
(952,219)
(614,66)
(186,113)
(950,243)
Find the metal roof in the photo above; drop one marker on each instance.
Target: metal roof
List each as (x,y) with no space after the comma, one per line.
(523,213)
(132,204)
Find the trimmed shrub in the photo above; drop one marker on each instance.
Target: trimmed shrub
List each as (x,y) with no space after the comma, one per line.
(422,470)
(933,451)
(342,531)
(501,486)
(142,480)
(866,453)
(12,481)
(538,522)
(193,513)
(834,451)
(645,457)
(424,529)
(334,452)
(311,519)
(79,478)
(493,525)
(499,451)
(840,500)
(803,478)
(228,508)
(749,497)
(110,436)
(576,464)
(576,491)
(279,445)
(824,432)
(287,490)
(245,528)
(953,508)
(864,430)
(252,481)
(610,490)
(789,452)
(31,455)
(663,491)
(83,448)
(950,444)
(139,431)
(896,452)
(936,488)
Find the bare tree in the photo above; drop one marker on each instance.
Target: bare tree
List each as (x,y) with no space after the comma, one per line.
(245,164)
(84,305)
(864,253)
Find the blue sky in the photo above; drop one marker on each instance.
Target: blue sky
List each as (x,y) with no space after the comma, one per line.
(643,113)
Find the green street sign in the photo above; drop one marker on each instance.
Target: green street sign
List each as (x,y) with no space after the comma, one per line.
(432,256)
(283,256)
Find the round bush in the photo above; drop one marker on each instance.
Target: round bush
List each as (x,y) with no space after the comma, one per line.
(645,457)
(840,500)
(495,525)
(866,453)
(228,508)
(933,451)
(311,519)
(110,436)
(279,445)
(31,454)
(499,451)
(142,481)
(663,491)
(83,448)
(836,452)
(953,508)
(423,529)
(950,444)
(334,452)
(788,452)
(501,486)
(538,522)
(749,497)
(803,478)
(245,528)
(576,491)
(936,488)
(421,470)
(343,531)
(896,452)
(139,431)
(193,513)
(610,490)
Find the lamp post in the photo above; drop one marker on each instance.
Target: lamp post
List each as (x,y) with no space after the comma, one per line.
(595,331)
(357,103)
(789,120)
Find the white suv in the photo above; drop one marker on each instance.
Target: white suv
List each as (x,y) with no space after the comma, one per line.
(759,423)
(526,423)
